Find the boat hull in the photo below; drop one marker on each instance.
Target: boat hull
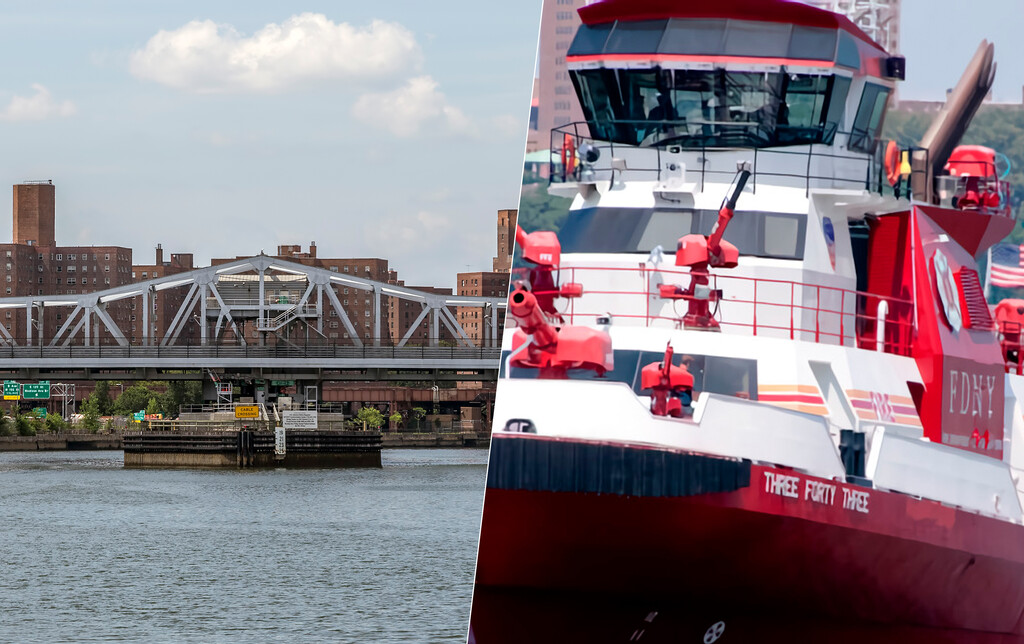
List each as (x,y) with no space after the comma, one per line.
(581,516)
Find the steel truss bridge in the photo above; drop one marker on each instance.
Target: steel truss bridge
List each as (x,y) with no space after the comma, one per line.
(286,305)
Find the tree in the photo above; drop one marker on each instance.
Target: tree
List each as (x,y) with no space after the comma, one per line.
(91,414)
(102,395)
(134,398)
(6,427)
(55,423)
(181,393)
(23,424)
(396,420)
(372,417)
(153,406)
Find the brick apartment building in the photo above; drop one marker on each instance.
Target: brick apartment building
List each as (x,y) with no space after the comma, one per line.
(33,264)
(164,303)
(493,283)
(358,304)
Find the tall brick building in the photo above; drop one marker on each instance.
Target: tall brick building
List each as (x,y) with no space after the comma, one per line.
(492,283)
(33,264)
(556,99)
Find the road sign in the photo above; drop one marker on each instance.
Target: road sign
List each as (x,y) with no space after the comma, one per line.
(12,390)
(279,441)
(282,383)
(299,419)
(37,391)
(139,415)
(247,411)
(39,411)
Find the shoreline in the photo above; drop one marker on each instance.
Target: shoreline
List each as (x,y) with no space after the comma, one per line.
(73,441)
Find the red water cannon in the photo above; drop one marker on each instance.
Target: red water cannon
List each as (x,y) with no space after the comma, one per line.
(980,185)
(1009,315)
(554,350)
(700,254)
(543,250)
(671,386)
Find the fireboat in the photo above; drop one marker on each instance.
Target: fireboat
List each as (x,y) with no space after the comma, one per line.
(756,368)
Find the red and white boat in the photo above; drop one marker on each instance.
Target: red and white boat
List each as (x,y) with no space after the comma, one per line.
(756,367)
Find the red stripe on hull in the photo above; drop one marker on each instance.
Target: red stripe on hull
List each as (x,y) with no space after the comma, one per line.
(905,561)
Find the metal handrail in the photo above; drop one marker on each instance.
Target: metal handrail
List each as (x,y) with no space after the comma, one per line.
(898,320)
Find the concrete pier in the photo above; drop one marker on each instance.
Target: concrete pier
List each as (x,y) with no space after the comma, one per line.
(247,448)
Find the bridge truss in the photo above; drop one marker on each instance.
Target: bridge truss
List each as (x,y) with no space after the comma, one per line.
(259,300)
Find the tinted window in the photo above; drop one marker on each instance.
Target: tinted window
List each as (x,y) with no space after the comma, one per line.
(640,230)
(812,43)
(848,54)
(870,114)
(694,37)
(695,109)
(761,39)
(836,106)
(635,37)
(590,39)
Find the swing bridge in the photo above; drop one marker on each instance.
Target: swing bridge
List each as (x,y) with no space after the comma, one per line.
(252,317)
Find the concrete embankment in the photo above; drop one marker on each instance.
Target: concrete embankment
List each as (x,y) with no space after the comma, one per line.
(76,441)
(248,448)
(49,442)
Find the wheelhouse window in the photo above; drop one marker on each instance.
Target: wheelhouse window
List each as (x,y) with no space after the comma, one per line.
(870,116)
(641,230)
(695,109)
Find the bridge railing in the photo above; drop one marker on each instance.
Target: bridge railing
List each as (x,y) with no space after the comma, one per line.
(217,351)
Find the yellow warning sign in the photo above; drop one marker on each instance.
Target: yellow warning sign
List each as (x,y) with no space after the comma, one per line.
(247,411)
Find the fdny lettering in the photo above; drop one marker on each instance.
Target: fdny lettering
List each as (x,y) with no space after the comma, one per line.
(819,492)
(855,500)
(781,484)
(971,394)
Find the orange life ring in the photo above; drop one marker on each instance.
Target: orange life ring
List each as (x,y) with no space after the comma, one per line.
(568,156)
(892,163)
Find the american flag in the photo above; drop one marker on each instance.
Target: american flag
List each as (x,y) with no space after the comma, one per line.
(1007,266)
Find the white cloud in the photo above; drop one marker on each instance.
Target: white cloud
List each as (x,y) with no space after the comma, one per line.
(38,107)
(203,56)
(403,233)
(415,106)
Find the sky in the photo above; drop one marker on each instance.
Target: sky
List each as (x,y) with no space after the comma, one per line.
(940,36)
(391,130)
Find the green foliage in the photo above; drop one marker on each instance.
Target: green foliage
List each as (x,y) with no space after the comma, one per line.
(419,413)
(6,426)
(23,424)
(181,393)
(539,210)
(372,417)
(396,419)
(102,396)
(55,424)
(91,414)
(136,398)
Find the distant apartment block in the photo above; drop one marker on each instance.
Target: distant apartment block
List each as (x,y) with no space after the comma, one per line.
(35,265)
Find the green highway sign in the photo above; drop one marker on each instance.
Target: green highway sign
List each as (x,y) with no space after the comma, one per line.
(139,415)
(12,390)
(282,383)
(37,391)
(39,411)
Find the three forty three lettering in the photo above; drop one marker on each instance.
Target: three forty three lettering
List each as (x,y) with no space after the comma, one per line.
(815,491)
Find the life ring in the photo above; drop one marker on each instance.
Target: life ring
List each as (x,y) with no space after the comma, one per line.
(892,163)
(568,156)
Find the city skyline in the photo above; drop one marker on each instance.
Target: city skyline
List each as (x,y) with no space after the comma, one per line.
(219,133)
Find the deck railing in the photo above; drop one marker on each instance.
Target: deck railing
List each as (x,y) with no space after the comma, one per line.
(743,305)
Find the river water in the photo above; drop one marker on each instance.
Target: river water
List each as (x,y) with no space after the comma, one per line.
(92,552)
